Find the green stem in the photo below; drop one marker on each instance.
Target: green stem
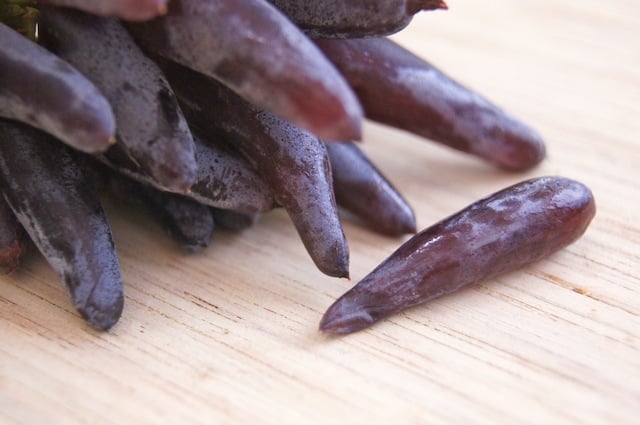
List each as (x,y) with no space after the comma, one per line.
(21,15)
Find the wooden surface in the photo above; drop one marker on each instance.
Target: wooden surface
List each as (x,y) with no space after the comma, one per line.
(229,335)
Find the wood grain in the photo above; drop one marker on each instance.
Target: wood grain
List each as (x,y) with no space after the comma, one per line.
(229,335)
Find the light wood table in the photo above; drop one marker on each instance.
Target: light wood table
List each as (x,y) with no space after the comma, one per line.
(230,335)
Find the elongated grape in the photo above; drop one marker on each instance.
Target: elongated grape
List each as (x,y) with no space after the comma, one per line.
(53,201)
(402,90)
(293,162)
(507,230)
(255,50)
(353,18)
(361,189)
(42,90)
(151,128)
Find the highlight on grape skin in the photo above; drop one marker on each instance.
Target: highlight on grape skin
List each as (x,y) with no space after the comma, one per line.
(277,131)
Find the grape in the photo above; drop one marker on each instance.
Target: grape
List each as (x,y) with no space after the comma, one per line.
(226,110)
(151,131)
(52,199)
(500,233)
(292,161)
(256,51)
(353,18)
(361,189)
(402,90)
(40,89)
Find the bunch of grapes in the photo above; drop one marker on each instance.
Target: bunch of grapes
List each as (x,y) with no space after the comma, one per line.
(212,112)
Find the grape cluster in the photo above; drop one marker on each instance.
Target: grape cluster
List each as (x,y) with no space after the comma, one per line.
(212,112)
